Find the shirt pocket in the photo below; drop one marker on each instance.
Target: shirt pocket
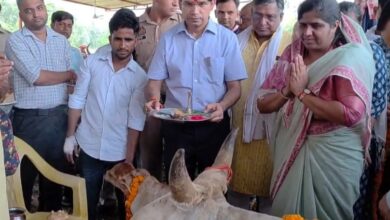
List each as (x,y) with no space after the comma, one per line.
(215,69)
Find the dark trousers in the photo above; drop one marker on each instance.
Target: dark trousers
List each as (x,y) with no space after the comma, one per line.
(150,147)
(45,131)
(150,151)
(200,140)
(93,171)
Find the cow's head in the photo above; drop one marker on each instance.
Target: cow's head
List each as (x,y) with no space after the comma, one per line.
(210,184)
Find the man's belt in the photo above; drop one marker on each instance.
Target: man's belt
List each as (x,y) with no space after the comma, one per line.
(40,112)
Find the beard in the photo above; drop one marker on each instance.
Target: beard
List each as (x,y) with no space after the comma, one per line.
(67,35)
(36,26)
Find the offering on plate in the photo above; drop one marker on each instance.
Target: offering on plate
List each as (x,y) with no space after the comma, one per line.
(179,115)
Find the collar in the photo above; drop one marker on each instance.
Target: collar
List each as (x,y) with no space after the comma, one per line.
(211,27)
(145,17)
(49,31)
(107,57)
(258,41)
(235,29)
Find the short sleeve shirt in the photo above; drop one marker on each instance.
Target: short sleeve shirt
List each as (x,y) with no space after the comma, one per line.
(202,66)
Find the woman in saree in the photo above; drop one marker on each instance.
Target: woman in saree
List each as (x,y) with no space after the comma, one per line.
(320,94)
(11,158)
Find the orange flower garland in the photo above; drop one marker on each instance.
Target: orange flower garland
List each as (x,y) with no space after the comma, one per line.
(133,191)
(293,217)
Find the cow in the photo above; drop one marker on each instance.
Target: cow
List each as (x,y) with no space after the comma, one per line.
(202,198)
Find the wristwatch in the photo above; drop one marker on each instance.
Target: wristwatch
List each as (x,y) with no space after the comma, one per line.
(303,94)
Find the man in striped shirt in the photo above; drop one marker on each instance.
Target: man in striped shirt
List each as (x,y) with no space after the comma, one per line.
(41,70)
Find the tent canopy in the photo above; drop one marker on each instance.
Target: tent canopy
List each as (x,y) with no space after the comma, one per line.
(112,4)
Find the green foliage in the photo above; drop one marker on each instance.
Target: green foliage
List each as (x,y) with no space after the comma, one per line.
(82,34)
(288,25)
(9,17)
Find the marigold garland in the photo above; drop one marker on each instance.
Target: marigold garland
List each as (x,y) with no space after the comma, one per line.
(133,191)
(293,217)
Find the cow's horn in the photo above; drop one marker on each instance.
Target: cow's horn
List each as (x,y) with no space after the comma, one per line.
(225,154)
(179,181)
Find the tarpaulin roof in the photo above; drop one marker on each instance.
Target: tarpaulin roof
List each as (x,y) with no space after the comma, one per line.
(112,4)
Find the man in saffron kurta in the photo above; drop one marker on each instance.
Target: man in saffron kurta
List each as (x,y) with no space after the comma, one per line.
(260,44)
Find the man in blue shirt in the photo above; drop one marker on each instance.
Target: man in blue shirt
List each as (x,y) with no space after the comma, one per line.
(201,57)
(62,22)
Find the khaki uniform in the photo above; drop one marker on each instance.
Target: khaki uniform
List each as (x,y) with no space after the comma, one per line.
(146,47)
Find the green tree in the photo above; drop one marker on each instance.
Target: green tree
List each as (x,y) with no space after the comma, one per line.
(94,35)
(9,17)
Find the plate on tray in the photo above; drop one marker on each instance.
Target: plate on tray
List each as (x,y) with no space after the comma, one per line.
(178,115)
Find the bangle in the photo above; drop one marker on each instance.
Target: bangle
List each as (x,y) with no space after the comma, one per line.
(301,95)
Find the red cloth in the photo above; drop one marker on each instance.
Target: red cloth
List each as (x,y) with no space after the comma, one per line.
(340,89)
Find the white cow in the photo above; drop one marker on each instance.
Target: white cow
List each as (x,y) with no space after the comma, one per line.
(202,198)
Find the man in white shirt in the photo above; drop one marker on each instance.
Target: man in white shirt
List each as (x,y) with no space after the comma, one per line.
(157,19)
(109,99)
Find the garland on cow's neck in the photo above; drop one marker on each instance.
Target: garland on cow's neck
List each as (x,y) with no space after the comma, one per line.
(133,191)
(293,217)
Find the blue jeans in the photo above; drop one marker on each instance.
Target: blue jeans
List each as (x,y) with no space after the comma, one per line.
(93,171)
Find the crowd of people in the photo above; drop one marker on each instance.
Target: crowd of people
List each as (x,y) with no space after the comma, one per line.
(311,105)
